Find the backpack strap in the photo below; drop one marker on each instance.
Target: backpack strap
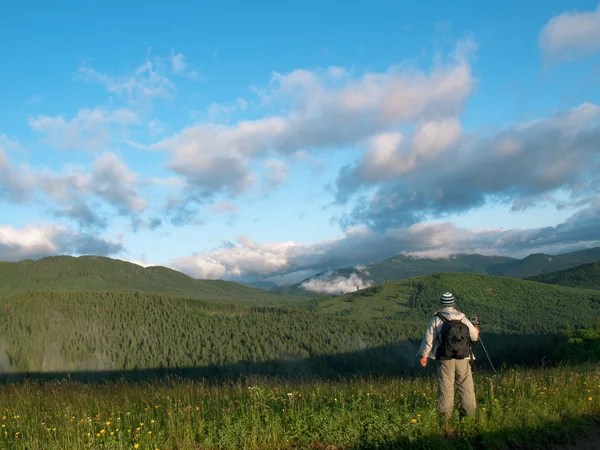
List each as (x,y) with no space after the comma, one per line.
(441,316)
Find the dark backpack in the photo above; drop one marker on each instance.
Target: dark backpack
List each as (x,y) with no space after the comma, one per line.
(456,339)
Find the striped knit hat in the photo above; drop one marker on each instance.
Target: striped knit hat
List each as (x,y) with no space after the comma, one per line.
(447,299)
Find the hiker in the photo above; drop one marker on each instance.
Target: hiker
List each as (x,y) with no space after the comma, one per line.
(453,355)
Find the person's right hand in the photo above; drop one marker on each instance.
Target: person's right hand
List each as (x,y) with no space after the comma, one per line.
(423,361)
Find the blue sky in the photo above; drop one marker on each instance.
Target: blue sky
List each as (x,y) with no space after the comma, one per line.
(275,139)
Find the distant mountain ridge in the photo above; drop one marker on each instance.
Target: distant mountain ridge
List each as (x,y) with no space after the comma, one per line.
(403,266)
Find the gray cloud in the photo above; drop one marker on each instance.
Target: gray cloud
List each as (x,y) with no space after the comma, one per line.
(35,242)
(83,214)
(109,179)
(571,35)
(519,164)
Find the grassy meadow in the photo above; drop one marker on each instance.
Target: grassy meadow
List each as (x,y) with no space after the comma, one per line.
(522,406)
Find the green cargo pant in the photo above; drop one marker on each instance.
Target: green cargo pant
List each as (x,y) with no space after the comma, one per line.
(449,372)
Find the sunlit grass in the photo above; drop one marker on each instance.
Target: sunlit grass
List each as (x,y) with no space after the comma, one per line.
(269,414)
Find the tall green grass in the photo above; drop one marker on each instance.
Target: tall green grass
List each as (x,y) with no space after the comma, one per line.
(521,406)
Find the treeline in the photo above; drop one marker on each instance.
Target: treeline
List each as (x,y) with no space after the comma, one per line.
(78,330)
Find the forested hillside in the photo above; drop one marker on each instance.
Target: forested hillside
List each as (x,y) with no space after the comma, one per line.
(96,273)
(77,330)
(377,328)
(586,276)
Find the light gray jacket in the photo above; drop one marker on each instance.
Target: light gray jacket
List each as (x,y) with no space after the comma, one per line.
(433,334)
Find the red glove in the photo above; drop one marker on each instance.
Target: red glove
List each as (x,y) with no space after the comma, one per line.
(423,361)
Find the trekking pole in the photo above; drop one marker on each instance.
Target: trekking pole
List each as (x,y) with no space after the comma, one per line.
(487,355)
(490,361)
(475,320)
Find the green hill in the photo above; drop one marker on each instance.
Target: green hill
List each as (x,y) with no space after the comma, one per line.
(96,273)
(585,276)
(403,266)
(506,305)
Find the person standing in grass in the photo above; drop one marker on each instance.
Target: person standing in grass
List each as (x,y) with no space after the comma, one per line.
(448,340)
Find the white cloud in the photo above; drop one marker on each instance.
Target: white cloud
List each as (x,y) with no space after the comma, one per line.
(17,244)
(391,154)
(33,242)
(90,130)
(571,35)
(326,284)
(324,110)
(245,258)
(137,262)
(178,63)
(139,88)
